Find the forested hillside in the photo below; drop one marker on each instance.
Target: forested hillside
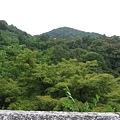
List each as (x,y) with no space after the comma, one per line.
(69,33)
(74,73)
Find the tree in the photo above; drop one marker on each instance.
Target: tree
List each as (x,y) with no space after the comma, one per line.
(44,37)
(59,53)
(89,56)
(78,41)
(9,92)
(3,25)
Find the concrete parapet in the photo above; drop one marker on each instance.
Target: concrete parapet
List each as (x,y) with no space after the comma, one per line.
(45,115)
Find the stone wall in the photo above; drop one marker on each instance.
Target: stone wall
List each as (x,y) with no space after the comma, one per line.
(44,115)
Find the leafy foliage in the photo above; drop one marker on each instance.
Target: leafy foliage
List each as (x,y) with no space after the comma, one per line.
(69,33)
(34,71)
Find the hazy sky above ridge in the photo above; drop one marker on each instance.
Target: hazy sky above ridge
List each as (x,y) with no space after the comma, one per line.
(39,16)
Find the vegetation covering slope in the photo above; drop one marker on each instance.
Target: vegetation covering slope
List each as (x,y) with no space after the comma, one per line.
(69,33)
(36,72)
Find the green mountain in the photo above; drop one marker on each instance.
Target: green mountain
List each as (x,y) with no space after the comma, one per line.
(10,34)
(41,74)
(69,33)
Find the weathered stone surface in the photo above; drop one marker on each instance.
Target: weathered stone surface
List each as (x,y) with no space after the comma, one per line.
(44,115)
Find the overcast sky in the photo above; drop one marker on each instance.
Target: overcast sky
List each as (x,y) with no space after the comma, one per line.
(39,16)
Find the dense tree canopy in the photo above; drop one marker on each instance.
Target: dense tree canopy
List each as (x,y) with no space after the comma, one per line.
(35,70)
